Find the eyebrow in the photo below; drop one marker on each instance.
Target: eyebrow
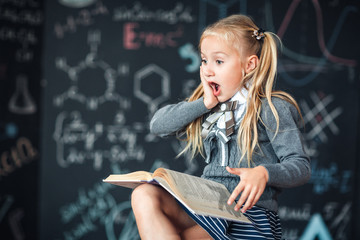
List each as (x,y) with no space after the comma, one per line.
(215,53)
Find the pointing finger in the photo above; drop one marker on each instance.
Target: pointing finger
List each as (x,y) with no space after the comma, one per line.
(235,171)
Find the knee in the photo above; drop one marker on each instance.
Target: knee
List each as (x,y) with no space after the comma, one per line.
(144,196)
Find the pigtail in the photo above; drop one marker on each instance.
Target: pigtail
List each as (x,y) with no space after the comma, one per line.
(261,81)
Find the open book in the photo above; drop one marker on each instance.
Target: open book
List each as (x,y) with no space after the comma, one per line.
(197,195)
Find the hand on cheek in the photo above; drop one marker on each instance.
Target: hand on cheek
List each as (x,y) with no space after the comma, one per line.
(210,100)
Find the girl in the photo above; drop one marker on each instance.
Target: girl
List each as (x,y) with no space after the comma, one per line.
(242,127)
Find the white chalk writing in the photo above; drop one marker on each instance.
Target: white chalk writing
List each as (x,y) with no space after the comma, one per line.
(140,13)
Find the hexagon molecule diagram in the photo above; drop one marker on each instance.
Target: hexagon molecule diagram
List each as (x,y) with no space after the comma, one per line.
(91,61)
(147,74)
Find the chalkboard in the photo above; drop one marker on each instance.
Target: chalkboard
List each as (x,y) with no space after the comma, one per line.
(21,25)
(107,66)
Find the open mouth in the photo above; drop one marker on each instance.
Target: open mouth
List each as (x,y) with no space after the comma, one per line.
(216,88)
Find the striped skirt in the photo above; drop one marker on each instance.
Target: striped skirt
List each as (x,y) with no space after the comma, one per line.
(264,224)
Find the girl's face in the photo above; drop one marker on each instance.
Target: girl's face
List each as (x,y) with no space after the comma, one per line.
(221,67)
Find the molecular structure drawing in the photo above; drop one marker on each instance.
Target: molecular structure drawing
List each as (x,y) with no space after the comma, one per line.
(91,61)
(145,74)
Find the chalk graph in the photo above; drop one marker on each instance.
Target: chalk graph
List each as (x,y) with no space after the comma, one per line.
(314,64)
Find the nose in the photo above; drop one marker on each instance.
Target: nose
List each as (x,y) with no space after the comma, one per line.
(208,71)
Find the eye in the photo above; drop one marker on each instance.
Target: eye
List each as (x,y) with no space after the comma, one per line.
(204,61)
(219,62)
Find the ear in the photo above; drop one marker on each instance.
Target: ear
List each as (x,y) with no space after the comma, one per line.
(251,63)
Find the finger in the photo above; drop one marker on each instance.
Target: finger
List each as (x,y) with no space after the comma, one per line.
(205,83)
(235,171)
(201,73)
(210,100)
(242,199)
(235,193)
(256,199)
(250,201)
(258,194)
(202,77)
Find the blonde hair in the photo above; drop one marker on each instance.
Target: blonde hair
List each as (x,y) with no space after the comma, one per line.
(237,31)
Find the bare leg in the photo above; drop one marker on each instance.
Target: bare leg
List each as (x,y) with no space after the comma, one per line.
(195,232)
(159,216)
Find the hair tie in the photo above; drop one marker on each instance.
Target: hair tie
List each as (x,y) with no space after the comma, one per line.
(259,34)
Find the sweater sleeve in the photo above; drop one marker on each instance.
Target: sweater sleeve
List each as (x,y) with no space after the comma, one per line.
(293,168)
(174,117)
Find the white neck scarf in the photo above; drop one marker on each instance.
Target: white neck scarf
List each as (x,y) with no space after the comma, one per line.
(239,96)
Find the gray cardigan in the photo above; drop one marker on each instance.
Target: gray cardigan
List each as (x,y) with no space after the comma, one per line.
(283,156)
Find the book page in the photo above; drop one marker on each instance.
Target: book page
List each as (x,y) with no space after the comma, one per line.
(203,196)
(130,180)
